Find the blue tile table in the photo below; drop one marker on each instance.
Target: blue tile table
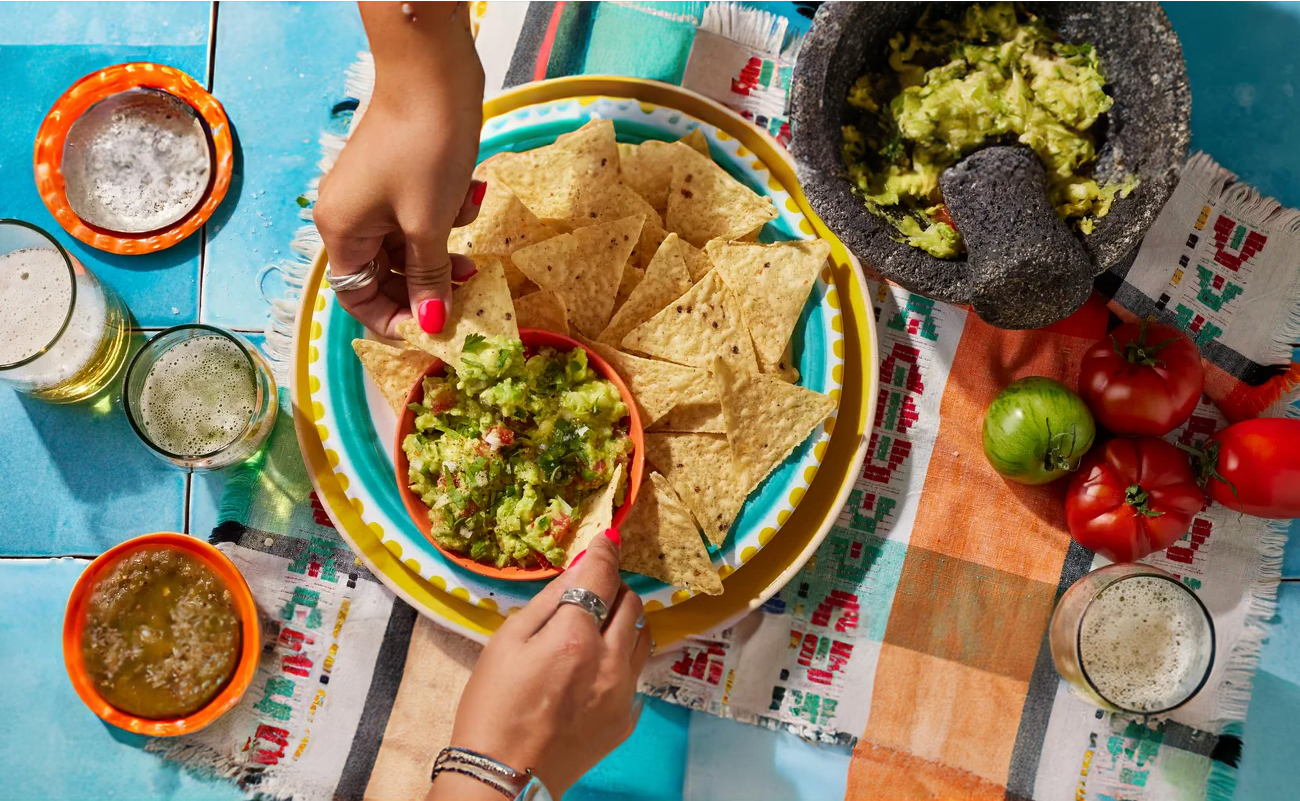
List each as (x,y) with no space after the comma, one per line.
(73,480)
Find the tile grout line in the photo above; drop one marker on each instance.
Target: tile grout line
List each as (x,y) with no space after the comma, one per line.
(203,250)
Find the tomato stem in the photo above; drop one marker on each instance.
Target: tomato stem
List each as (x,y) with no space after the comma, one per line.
(1138,498)
(1057,455)
(1139,352)
(1205,461)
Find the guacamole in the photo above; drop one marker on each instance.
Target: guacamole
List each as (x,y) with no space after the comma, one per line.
(994,75)
(506,446)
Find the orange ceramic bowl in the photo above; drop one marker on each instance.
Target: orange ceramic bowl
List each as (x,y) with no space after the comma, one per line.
(532,339)
(74,622)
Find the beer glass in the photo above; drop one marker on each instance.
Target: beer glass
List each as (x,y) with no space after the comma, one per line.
(1132,638)
(200,397)
(63,334)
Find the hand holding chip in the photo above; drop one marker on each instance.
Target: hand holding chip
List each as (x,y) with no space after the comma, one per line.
(553,691)
(403,181)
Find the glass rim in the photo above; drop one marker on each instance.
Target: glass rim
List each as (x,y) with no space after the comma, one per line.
(72,298)
(1146,571)
(139,428)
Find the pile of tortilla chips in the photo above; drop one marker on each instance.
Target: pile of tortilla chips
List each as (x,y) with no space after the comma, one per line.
(647,254)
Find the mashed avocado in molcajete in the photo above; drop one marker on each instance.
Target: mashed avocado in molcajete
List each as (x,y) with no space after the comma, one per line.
(506,446)
(995,75)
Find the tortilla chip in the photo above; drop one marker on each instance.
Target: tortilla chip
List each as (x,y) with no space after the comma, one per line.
(652,236)
(555,181)
(584,268)
(701,470)
(661,540)
(694,418)
(485,171)
(503,225)
(766,418)
(704,202)
(394,370)
(784,368)
(697,142)
(596,515)
(544,310)
(481,305)
(666,279)
(648,167)
(772,283)
(656,386)
(516,280)
(697,260)
(703,323)
(632,276)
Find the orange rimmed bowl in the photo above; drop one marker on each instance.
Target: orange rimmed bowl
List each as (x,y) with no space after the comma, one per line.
(74,622)
(97,86)
(419,512)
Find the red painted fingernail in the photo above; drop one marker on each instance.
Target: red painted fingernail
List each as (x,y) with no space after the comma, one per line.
(613,534)
(480,192)
(574,563)
(432,315)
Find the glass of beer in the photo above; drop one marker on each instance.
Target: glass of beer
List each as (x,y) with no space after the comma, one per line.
(63,334)
(1132,638)
(200,397)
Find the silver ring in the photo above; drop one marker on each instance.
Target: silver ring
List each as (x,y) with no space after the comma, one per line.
(589,602)
(352,281)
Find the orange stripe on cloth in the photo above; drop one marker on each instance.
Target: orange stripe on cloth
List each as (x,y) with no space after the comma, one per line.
(969,511)
(968,759)
(977,586)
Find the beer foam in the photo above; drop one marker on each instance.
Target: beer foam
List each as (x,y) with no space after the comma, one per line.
(1144,643)
(198,397)
(136,161)
(35,289)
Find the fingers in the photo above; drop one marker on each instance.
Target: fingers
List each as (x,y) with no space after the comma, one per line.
(529,620)
(428,280)
(597,572)
(463,268)
(625,625)
(472,203)
(374,305)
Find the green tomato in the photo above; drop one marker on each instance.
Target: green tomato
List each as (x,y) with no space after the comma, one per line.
(1036,430)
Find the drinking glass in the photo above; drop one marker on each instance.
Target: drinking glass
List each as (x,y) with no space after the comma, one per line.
(1068,633)
(65,334)
(212,370)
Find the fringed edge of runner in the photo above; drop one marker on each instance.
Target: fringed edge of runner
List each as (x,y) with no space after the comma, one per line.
(359,82)
(1243,662)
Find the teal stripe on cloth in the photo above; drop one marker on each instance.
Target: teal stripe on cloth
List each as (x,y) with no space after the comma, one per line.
(650,766)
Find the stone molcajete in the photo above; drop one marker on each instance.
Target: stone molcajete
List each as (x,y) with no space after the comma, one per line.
(1024,268)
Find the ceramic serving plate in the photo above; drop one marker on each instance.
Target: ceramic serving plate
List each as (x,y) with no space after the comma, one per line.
(343,419)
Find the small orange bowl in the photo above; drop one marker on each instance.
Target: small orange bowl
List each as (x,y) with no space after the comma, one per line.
(97,86)
(74,623)
(532,338)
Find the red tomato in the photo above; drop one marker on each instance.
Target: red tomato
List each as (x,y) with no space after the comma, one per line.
(1132,497)
(1254,467)
(1143,379)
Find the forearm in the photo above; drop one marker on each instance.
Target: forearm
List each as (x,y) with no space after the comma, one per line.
(425,52)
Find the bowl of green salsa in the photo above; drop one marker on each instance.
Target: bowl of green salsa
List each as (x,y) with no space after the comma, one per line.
(161,635)
(501,457)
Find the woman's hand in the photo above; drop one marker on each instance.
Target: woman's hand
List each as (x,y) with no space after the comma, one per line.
(551,691)
(403,180)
